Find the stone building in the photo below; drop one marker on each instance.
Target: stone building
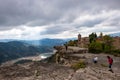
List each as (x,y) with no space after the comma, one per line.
(79,40)
(83,42)
(116,42)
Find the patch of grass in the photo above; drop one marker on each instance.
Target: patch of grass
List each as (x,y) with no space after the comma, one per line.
(104,65)
(78,65)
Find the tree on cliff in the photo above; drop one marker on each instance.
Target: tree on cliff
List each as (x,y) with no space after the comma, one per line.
(100,44)
(107,41)
(95,47)
(92,37)
(72,43)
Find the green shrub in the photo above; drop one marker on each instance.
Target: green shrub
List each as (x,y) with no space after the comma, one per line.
(104,65)
(95,47)
(80,64)
(72,43)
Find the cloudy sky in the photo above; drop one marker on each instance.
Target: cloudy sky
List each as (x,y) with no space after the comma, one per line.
(37,19)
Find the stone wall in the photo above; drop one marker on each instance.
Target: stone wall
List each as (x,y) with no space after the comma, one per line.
(116,42)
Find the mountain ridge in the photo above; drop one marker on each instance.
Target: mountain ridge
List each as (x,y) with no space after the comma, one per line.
(12,49)
(16,49)
(115,34)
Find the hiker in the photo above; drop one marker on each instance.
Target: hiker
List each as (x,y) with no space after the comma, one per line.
(95,59)
(110,61)
(66,46)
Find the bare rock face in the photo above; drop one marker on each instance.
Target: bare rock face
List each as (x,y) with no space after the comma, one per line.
(95,74)
(46,70)
(35,71)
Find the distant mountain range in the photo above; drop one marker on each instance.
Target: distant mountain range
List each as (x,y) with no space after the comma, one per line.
(41,42)
(12,49)
(115,34)
(16,49)
(47,42)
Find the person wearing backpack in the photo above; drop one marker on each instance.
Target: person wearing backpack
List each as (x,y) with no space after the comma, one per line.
(110,61)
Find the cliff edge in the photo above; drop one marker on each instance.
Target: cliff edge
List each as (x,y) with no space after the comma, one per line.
(66,69)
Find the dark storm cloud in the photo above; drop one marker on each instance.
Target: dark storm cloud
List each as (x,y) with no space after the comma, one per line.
(44,12)
(21,12)
(56,29)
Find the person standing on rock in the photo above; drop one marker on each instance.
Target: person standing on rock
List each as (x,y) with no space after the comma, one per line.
(110,61)
(66,46)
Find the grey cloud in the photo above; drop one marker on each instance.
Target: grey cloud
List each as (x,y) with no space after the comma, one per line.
(14,13)
(115,22)
(56,29)
(43,12)
(92,23)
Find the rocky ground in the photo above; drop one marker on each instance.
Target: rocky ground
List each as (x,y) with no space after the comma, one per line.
(98,71)
(35,71)
(38,70)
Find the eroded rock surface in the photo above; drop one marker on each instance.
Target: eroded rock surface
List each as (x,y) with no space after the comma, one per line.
(51,71)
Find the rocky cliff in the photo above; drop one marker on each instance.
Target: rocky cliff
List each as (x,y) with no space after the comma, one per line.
(67,70)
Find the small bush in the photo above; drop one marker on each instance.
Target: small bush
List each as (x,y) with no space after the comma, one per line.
(104,65)
(80,64)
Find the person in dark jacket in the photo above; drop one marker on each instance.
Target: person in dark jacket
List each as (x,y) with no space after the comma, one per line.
(110,61)
(66,46)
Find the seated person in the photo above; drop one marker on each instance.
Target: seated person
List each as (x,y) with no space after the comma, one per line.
(95,59)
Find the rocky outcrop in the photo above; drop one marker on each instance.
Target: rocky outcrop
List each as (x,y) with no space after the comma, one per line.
(71,49)
(48,69)
(34,71)
(65,57)
(91,73)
